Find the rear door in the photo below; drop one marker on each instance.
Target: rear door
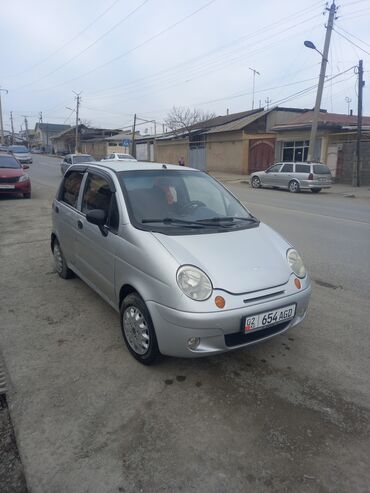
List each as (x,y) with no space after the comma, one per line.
(65,213)
(285,175)
(301,174)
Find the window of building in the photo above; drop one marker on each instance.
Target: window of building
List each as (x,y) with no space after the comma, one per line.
(295,150)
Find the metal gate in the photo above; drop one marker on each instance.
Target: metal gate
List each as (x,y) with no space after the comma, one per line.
(197,152)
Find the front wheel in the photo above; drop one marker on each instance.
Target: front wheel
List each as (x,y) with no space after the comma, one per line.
(293,186)
(138,330)
(315,190)
(256,182)
(27,195)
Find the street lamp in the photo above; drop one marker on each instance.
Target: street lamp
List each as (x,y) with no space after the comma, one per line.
(309,44)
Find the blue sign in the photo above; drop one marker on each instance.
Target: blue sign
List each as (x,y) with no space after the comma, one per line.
(126,143)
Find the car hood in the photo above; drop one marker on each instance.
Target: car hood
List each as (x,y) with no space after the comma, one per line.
(236,261)
(20,155)
(10,172)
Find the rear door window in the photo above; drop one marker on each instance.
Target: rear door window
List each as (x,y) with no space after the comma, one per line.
(321,169)
(71,188)
(302,168)
(287,168)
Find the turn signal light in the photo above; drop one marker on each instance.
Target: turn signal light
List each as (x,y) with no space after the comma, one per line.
(220,301)
(297,283)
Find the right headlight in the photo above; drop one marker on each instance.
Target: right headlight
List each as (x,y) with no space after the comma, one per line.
(194,283)
(296,263)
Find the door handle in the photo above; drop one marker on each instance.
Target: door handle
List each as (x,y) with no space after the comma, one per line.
(79,224)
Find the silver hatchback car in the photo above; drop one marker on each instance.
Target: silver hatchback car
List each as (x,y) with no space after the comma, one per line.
(294,177)
(190,270)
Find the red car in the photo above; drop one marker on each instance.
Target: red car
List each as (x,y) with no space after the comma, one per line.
(13,179)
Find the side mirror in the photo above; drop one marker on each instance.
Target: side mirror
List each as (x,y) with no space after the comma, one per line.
(99,218)
(25,166)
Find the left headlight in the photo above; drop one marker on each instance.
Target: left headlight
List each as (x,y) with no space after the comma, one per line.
(194,283)
(24,177)
(296,263)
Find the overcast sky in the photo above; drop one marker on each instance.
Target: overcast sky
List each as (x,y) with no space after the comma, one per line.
(146,56)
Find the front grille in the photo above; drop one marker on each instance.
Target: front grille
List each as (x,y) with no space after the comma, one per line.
(12,179)
(239,338)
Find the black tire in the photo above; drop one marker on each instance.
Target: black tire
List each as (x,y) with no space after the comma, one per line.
(60,264)
(27,195)
(293,186)
(256,182)
(315,190)
(131,307)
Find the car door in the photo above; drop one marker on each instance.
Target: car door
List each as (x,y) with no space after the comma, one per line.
(96,250)
(270,177)
(285,175)
(66,214)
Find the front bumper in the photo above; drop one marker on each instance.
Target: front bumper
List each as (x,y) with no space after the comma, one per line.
(15,188)
(219,331)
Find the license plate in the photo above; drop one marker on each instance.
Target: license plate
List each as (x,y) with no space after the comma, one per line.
(7,187)
(266,319)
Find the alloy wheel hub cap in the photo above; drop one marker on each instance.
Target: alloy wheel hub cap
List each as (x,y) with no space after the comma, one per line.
(136,330)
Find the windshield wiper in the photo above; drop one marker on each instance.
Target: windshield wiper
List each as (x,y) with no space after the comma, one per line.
(173,220)
(221,219)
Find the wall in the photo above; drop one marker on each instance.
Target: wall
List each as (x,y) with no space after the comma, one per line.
(224,152)
(170,151)
(98,150)
(345,174)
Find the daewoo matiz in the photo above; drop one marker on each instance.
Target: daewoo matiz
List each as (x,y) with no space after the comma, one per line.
(190,270)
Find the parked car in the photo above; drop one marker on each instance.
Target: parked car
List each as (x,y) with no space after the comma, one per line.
(70,159)
(3,148)
(190,270)
(13,179)
(294,177)
(21,153)
(119,156)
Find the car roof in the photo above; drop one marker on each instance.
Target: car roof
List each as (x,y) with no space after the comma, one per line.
(128,165)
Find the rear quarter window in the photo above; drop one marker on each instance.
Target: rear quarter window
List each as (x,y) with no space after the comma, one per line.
(321,169)
(302,168)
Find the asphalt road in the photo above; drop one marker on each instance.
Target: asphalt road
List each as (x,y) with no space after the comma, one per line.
(291,414)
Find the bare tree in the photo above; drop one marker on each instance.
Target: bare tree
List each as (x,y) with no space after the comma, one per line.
(181,118)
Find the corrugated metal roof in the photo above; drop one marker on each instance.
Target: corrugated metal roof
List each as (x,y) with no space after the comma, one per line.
(328,119)
(238,124)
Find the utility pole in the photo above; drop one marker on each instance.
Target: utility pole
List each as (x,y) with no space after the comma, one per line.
(12,126)
(254,80)
(133,149)
(268,101)
(1,118)
(26,127)
(348,101)
(40,117)
(78,102)
(311,150)
(361,84)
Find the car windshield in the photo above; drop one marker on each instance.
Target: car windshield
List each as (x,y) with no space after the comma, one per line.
(181,202)
(19,149)
(9,162)
(321,169)
(82,159)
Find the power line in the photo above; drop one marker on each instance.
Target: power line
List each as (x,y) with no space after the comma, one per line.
(68,42)
(163,31)
(352,42)
(88,47)
(353,36)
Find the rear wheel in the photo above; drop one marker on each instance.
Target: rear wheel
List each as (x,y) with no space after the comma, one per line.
(293,186)
(60,264)
(138,330)
(256,182)
(315,190)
